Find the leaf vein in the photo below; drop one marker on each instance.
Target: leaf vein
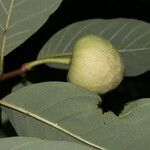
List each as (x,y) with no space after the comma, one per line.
(47,50)
(117,32)
(138,38)
(54,125)
(70,116)
(33,15)
(129,33)
(3,6)
(73,38)
(106,28)
(19,33)
(5,35)
(66,99)
(22,145)
(20,3)
(134,49)
(14,120)
(2,27)
(15,43)
(129,112)
(134,141)
(28,128)
(44,131)
(62,37)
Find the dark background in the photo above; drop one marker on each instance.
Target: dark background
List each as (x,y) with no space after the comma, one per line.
(70,11)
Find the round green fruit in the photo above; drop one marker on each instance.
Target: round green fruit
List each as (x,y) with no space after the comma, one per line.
(95,65)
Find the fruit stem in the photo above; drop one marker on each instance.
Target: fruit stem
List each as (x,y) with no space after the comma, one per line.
(58,60)
(28,66)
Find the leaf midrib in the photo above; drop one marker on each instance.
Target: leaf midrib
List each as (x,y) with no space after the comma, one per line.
(5,35)
(54,125)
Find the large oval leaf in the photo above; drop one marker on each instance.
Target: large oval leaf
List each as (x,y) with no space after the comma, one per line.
(62,111)
(56,101)
(26,143)
(19,19)
(131,37)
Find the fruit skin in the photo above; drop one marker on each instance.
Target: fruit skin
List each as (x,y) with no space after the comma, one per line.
(95,65)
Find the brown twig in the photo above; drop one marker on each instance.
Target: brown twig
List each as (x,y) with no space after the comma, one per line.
(14,73)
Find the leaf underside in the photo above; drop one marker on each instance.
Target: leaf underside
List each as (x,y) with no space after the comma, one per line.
(62,111)
(131,38)
(26,143)
(19,19)
(20,85)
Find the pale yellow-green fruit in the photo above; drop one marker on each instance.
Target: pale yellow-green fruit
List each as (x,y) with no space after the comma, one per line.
(95,65)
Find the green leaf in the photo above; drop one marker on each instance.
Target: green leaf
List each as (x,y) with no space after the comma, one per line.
(19,19)
(56,104)
(20,85)
(26,143)
(130,37)
(62,111)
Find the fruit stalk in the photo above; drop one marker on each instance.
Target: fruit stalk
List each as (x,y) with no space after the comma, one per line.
(28,66)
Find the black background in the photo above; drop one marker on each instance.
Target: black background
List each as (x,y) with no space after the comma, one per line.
(69,12)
